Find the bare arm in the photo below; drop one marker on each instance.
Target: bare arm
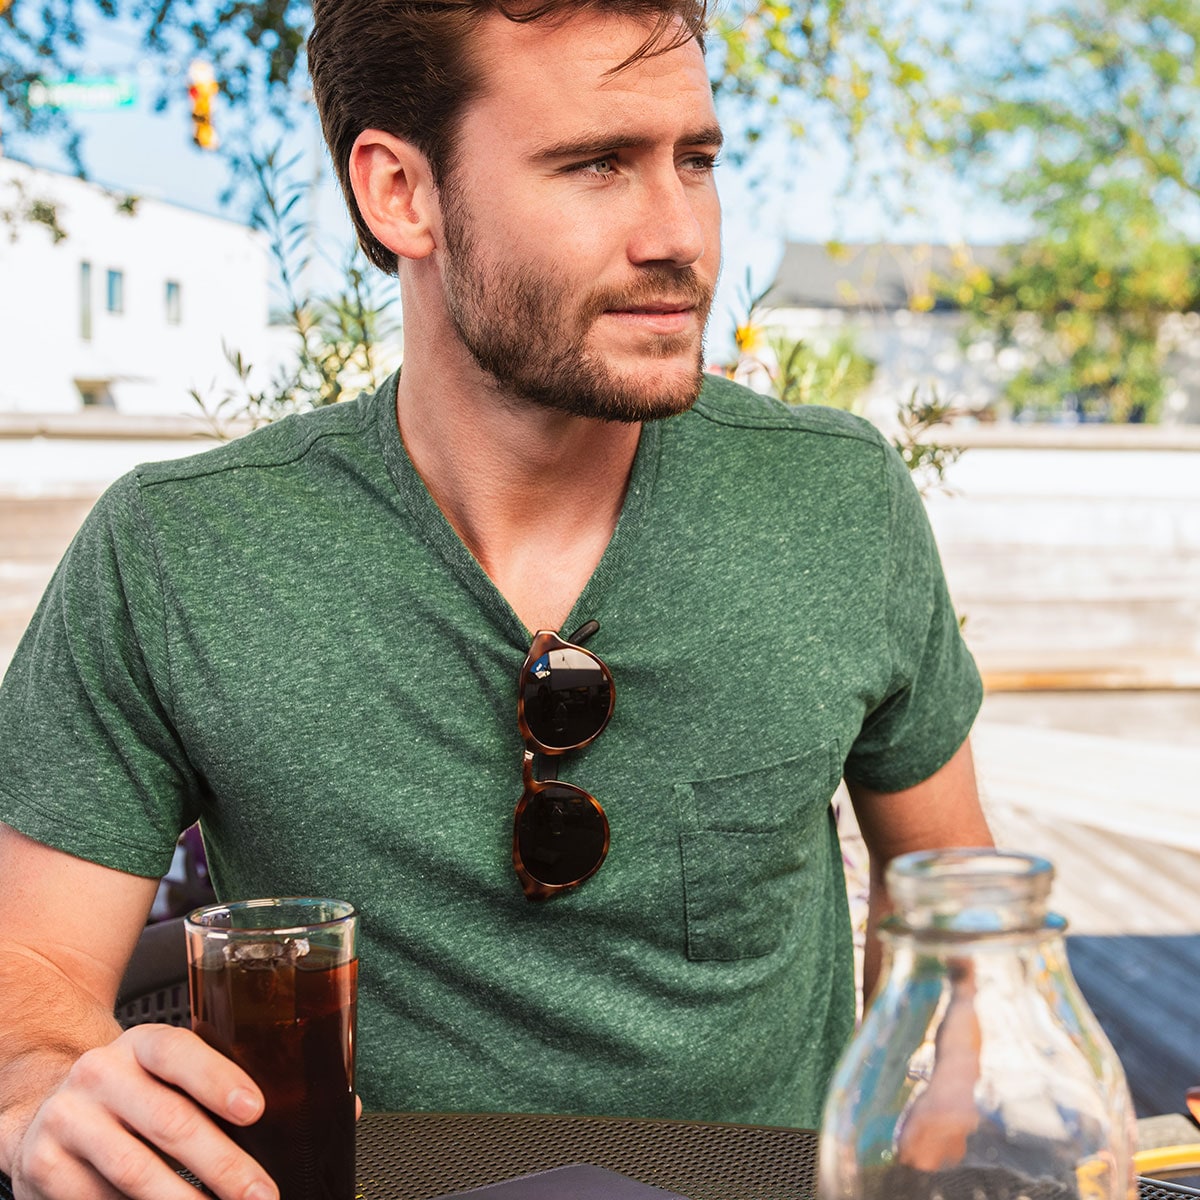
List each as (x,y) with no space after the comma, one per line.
(83,1105)
(941,811)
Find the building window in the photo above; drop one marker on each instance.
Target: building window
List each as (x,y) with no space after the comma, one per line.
(116,291)
(95,393)
(174,303)
(85,301)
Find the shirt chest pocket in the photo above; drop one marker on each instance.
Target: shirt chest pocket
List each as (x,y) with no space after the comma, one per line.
(756,852)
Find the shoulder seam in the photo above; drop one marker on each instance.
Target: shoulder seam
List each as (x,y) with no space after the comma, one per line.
(707,410)
(265,463)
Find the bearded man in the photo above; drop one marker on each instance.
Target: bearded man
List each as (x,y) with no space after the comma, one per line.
(308,641)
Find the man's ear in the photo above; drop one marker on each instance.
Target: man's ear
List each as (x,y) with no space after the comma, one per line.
(394,188)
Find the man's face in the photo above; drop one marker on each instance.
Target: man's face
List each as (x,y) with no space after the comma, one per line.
(581,222)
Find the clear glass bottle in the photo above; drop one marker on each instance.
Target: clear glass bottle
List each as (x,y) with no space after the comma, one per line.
(979,1072)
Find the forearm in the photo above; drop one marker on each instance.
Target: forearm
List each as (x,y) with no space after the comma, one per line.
(943,811)
(46,1021)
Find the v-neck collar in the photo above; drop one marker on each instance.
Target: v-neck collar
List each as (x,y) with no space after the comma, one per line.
(442,536)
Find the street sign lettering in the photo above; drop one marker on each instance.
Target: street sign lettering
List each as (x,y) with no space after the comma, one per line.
(87,94)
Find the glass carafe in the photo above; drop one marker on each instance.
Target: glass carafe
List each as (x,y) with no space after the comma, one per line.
(979,1072)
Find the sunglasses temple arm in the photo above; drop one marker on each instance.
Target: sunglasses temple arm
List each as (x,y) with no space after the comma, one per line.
(549,768)
(585,631)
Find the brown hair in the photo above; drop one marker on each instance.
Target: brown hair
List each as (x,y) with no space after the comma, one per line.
(405,66)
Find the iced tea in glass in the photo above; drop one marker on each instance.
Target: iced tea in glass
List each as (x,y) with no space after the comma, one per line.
(273,986)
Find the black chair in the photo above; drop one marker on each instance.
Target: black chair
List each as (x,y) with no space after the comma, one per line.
(155,986)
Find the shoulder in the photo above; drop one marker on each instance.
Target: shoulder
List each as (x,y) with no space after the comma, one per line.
(725,403)
(280,444)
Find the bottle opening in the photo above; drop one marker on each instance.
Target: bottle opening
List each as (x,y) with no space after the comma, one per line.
(970,890)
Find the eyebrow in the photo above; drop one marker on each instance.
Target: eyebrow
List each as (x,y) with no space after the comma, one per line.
(595,145)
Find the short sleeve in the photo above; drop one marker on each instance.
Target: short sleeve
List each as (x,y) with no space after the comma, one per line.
(934,691)
(89,761)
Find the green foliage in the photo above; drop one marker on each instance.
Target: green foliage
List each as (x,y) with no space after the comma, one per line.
(867,66)
(343,342)
(870,68)
(835,376)
(18,208)
(256,47)
(1084,301)
(919,414)
(1102,96)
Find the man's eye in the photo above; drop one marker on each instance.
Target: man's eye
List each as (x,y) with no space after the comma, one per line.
(701,162)
(599,166)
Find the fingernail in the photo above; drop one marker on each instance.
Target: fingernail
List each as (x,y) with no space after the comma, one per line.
(261,1191)
(243,1106)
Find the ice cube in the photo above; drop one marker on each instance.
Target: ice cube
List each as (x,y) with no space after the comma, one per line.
(279,952)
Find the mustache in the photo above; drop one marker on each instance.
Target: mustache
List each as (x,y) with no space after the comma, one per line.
(656,285)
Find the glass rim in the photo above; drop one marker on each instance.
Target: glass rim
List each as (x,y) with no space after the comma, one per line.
(973,863)
(194,920)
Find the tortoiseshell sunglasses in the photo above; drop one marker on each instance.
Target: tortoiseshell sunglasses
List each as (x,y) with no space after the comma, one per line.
(565,697)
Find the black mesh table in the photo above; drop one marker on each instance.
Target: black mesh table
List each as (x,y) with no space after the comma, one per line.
(420,1156)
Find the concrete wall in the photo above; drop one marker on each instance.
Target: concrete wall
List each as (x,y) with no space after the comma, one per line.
(1076,563)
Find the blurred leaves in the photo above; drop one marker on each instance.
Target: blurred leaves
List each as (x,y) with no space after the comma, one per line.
(920,414)
(342,343)
(1101,97)
(836,375)
(864,65)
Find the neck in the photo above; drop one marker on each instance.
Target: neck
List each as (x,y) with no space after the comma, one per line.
(534,494)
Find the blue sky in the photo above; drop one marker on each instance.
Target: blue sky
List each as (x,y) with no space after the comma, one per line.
(794,194)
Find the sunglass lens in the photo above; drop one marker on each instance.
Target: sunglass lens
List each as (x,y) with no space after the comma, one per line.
(567,695)
(561,835)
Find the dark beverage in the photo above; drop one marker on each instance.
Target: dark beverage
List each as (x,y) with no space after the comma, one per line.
(285,1012)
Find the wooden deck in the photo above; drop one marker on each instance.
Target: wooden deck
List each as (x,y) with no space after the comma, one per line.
(1120,820)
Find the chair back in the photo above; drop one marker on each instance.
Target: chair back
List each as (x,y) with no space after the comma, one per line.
(155,986)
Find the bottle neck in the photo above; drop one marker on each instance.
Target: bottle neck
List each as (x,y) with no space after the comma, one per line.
(967,894)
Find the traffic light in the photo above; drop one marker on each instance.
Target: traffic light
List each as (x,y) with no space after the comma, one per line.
(202,90)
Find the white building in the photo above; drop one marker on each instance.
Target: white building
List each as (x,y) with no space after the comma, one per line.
(130,309)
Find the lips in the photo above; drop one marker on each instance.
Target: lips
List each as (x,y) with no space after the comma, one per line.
(656,309)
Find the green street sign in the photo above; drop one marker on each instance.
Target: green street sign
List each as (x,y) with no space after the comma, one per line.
(86,94)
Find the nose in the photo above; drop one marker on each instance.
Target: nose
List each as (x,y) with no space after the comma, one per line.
(669,225)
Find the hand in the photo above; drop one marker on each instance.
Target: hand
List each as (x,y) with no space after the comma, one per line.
(151,1092)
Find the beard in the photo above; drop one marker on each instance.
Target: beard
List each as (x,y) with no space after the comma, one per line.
(529,330)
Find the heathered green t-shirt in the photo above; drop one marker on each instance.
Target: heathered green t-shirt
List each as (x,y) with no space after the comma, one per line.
(284,638)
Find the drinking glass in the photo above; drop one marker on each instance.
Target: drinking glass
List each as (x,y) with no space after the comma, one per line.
(273,986)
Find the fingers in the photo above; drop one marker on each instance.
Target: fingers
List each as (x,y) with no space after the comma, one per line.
(149,1093)
(179,1057)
